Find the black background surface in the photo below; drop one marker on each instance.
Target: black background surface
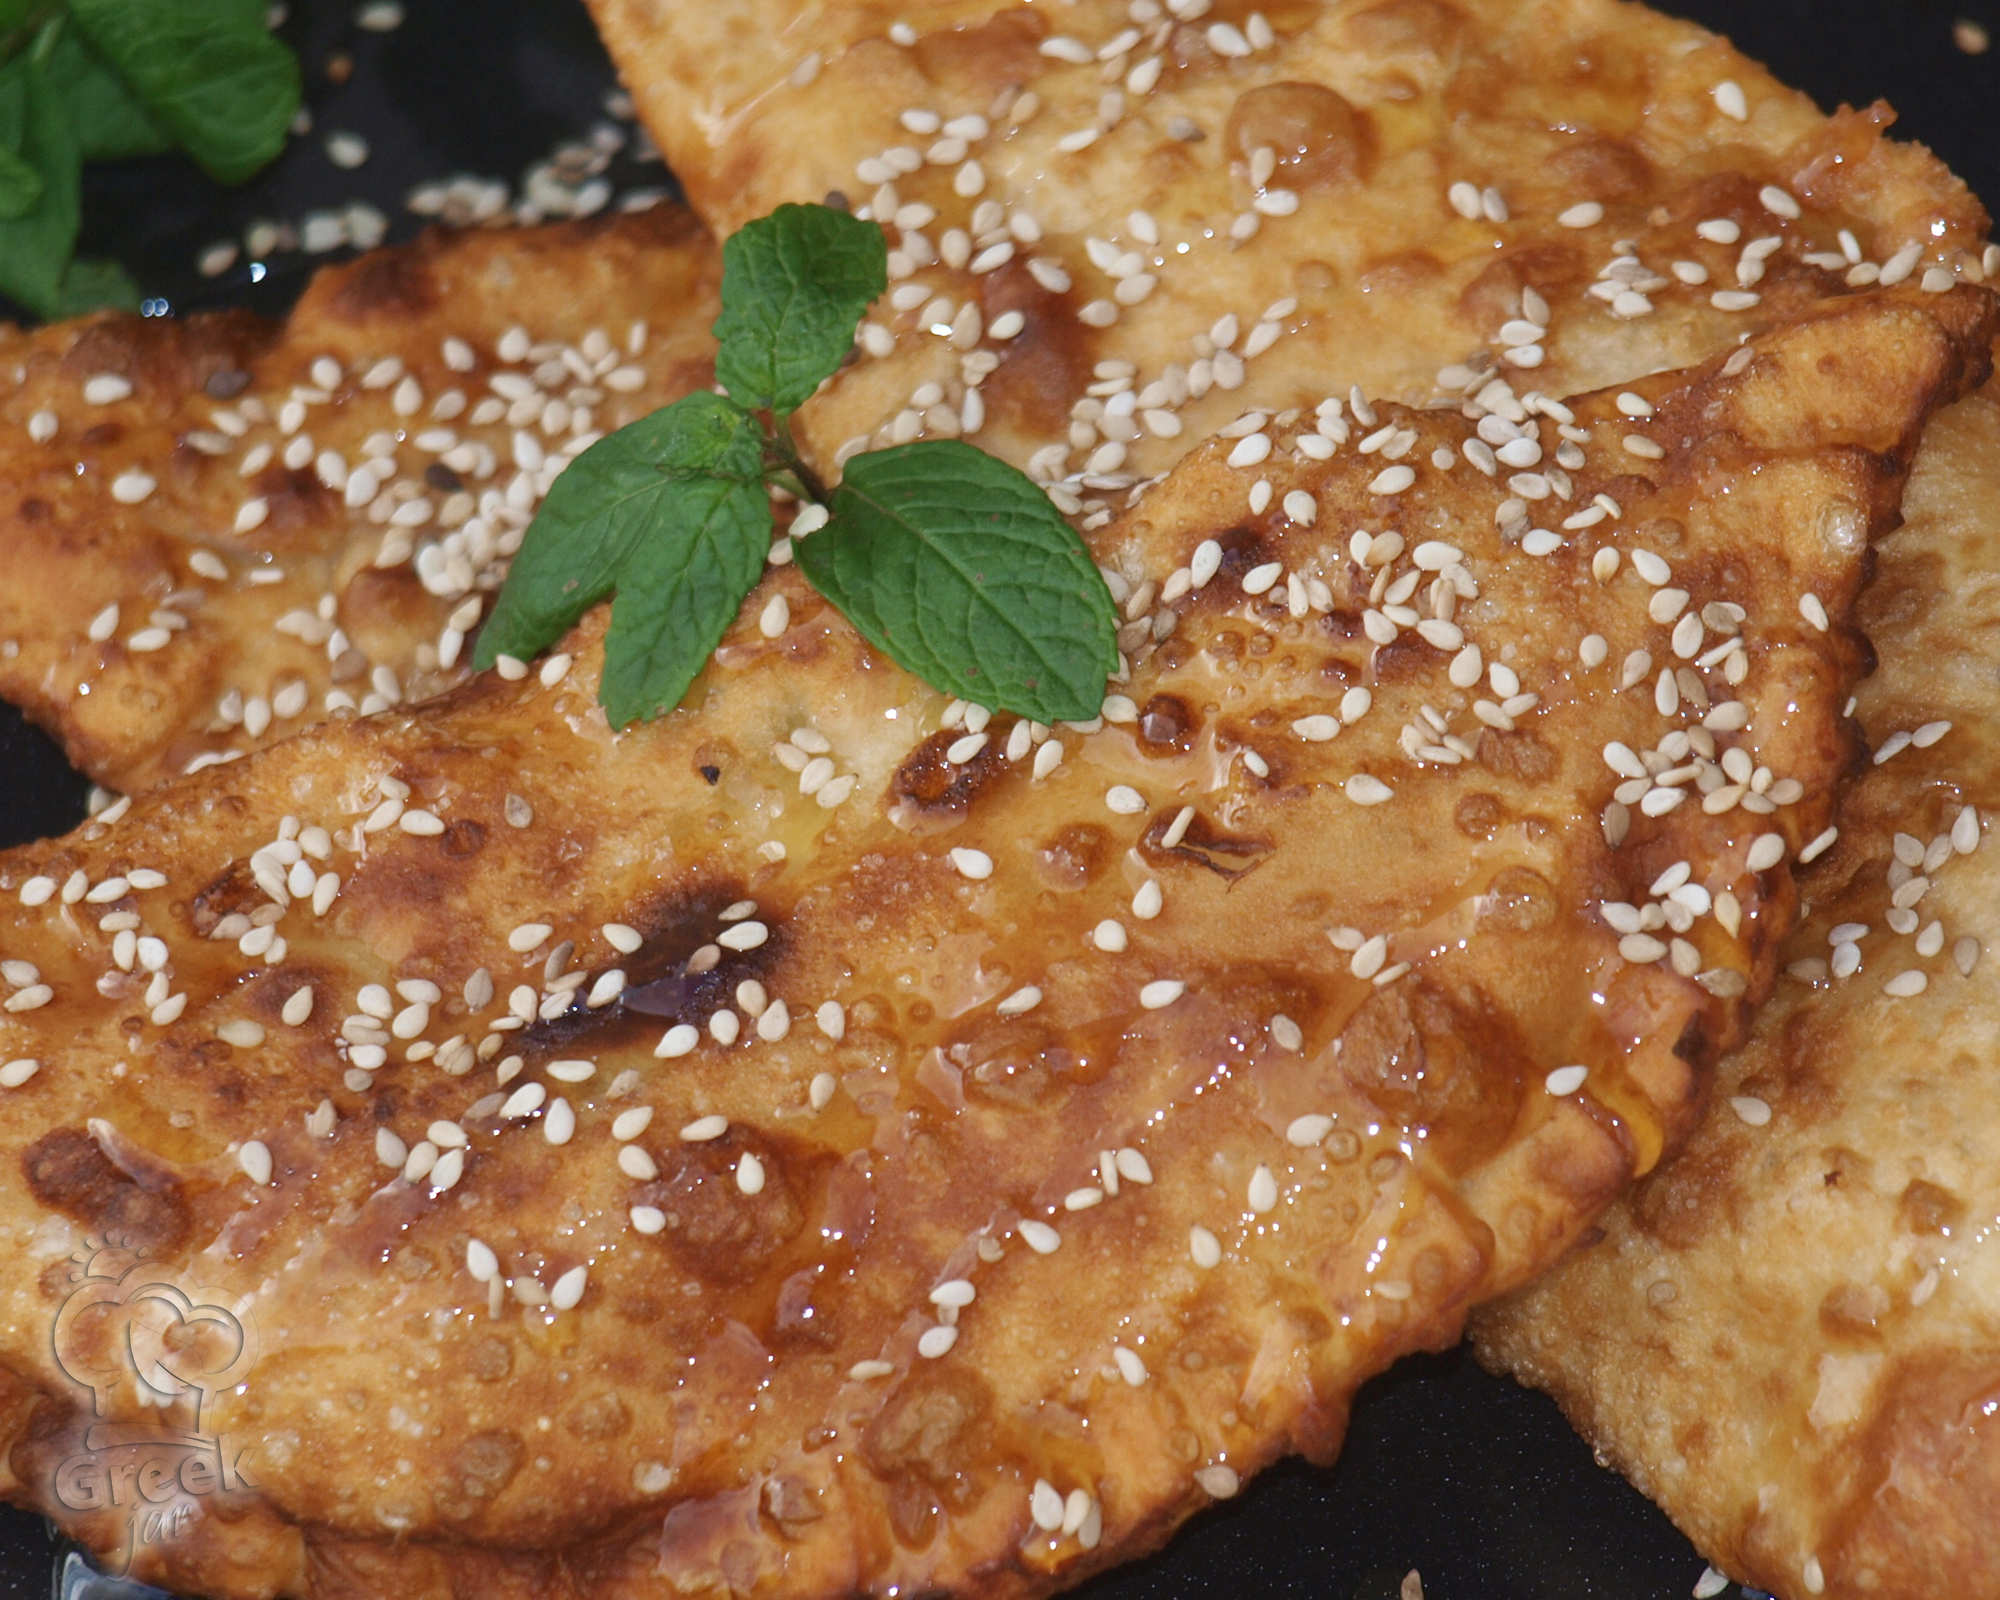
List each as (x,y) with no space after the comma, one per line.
(1478,1484)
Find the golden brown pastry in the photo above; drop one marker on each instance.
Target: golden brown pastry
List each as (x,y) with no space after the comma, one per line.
(1790,1335)
(829,1140)
(1144,218)
(219,529)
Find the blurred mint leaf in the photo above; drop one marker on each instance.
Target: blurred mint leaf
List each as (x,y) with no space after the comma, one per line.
(794,287)
(95,286)
(208,71)
(35,245)
(20,185)
(110,123)
(956,567)
(671,513)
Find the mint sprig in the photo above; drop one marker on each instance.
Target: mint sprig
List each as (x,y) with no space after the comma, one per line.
(948,560)
(87,80)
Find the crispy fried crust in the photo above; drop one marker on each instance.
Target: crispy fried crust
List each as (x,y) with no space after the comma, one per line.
(191,662)
(1372,112)
(959,962)
(1790,1337)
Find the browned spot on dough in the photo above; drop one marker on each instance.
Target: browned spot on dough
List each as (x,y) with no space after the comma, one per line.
(67,1172)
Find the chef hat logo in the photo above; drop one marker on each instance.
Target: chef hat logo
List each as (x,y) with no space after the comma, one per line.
(172,1338)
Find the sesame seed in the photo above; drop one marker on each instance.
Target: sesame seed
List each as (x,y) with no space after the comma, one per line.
(1464,199)
(1308,1130)
(481,1262)
(1366,790)
(1204,1247)
(16,1073)
(1584,214)
(648,1219)
(974,864)
(1392,480)
(703,1129)
(637,1164)
(1082,1199)
(1148,901)
(1219,1483)
(527,936)
(106,388)
(1814,613)
(1818,847)
(750,1174)
(572,1071)
(743,936)
(1729,100)
(568,1289)
(1907,985)
(1565,1080)
(524,1101)
(1263,1193)
(1161,993)
(677,1041)
(1778,202)
(1040,1237)
(1756,1112)
(255,1160)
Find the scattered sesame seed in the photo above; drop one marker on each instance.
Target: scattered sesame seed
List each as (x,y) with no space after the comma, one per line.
(1263,1193)
(255,1160)
(1218,1482)
(1756,1112)
(1040,1237)
(677,1041)
(1818,847)
(974,864)
(1366,790)
(1566,1080)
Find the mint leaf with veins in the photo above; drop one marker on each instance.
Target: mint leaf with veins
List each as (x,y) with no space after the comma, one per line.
(956,567)
(794,287)
(208,72)
(674,506)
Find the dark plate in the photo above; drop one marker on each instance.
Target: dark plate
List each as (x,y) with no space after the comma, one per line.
(1476,1483)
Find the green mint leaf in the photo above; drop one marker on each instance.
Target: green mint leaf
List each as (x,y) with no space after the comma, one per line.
(684,485)
(20,186)
(96,286)
(208,71)
(680,590)
(35,246)
(956,567)
(110,124)
(794,287)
